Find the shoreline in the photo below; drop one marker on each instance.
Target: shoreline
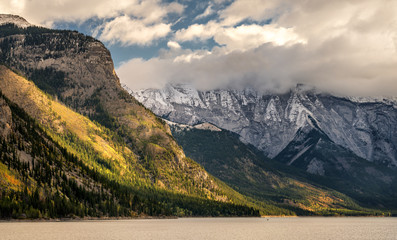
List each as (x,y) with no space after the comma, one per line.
(88,219)
(78,219)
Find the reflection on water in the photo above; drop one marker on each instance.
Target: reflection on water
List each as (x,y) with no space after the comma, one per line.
(207,228)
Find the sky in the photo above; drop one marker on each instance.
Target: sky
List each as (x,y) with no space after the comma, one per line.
(342,46)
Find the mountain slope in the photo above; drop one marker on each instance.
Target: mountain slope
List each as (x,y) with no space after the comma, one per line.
(245,168)
(91,87)
(83,155)
(312,151)
(117,137)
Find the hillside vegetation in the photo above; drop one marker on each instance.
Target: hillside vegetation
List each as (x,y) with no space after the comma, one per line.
(60,163)
(247,170)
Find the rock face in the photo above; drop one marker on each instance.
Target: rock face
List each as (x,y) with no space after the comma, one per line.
(365,126)
(63,63)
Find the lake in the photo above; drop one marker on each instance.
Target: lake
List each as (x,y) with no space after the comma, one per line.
(207,228)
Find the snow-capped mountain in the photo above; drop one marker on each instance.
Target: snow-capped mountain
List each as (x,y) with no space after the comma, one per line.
(365,126)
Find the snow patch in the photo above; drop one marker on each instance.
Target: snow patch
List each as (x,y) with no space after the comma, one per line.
(271,112)
(299,154)
(207,126)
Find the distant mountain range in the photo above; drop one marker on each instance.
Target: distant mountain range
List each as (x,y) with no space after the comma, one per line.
(366,126)
(346,143)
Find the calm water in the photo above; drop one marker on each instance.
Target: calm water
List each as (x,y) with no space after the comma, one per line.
(206,228)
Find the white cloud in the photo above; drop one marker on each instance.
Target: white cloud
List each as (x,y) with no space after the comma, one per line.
(252,36)
(198,32)
(138,71)
(129,31)
(345,46)
(124,18)
(240,10)
(173,45)
(241,38)
(43,11)
(152,11)
(188,57)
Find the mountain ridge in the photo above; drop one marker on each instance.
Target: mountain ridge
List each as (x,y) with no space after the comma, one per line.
(253,115)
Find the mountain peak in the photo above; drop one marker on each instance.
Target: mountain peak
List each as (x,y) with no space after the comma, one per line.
(15,19)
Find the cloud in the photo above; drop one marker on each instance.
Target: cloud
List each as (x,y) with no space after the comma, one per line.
(173,45)
(43,11)
(270,68)
(239,38)
(207,12)
(246,37)
(347,47)
(240,10)
(129,31)
(242,37)
(122,18)
(200,32)
(153,11)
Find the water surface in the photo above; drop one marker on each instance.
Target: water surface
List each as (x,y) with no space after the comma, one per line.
(207,228)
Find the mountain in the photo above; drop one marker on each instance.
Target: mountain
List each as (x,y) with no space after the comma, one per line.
(72,136)
(366,126)
(348,144)
(246,169)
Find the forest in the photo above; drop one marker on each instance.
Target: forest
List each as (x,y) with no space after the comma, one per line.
(49,184)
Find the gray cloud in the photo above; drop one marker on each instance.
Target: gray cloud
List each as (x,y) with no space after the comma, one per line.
(348,47)
(270,68)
